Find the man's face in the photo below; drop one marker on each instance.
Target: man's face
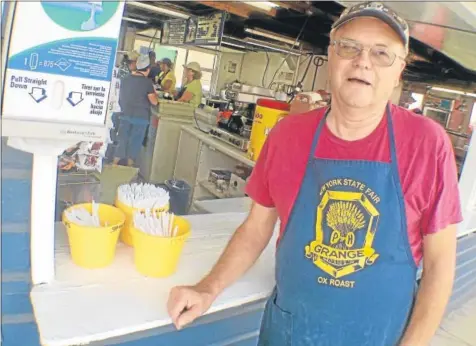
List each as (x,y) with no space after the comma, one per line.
(360,82)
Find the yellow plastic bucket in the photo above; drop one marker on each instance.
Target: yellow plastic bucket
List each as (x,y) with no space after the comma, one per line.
(156,256)
(95,247)
(126,236)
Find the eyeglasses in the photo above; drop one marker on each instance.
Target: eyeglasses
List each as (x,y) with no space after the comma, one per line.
(380,56)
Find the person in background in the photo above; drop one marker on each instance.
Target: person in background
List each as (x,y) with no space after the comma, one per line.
(365,192)
(136,96)
(166,78)
(191,92)
(128,63)
(154,66)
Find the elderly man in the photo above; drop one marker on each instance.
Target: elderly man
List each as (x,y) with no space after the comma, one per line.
(363,189)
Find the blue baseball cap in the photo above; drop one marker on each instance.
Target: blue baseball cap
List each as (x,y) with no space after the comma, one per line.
(166,61)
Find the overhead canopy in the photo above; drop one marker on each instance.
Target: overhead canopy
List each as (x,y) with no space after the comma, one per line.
(449,27)
(443,43)
(446,27)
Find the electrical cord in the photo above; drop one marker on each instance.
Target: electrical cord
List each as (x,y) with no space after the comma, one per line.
(318,62)
(307,69)
(152,39)
(196,120)
(290,50)
(266,69)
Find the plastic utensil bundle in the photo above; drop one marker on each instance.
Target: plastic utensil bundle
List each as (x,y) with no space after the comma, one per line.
(82,217)
(142,196)
(158,224)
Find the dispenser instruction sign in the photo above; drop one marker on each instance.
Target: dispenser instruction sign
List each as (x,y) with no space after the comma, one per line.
(61,59)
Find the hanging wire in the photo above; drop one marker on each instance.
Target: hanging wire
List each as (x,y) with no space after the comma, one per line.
(290,50)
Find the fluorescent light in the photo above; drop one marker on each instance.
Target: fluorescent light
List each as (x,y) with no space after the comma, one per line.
(134,20)
(451,91)
(262,44)
(264,5)
(233,44)
(271,47)
(161,10)
(272,36)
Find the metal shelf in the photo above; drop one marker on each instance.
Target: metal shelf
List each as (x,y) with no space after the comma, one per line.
(210,187)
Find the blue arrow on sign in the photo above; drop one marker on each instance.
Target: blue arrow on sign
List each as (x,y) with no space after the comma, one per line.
(38,94)
(75,98)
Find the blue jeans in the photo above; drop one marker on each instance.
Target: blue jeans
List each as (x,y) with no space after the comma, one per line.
(130,135)
(115,117)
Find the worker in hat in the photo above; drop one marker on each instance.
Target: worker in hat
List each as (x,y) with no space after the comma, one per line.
(364,191)
(136,96)
(166,78)
(191,92)
(132,59)
(128,63)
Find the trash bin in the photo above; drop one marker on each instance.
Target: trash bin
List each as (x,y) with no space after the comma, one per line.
(179,191)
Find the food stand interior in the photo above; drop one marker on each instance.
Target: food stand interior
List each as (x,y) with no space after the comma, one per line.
(255,52)
(266,49)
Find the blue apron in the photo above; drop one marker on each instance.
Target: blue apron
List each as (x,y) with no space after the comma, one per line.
(345,273)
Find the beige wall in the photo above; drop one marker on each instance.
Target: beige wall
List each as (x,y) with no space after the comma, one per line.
(251,67)
(254,65)
(225,74)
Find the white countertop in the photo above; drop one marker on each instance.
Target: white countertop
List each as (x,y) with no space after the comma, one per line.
(224,205)
(83,305)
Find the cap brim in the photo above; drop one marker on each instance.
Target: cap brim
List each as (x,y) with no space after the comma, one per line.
(190,68)
(375,14)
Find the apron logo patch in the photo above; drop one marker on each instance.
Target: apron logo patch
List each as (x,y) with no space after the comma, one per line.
(346,224)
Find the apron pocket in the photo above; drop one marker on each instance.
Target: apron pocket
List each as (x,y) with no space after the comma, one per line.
(276,325)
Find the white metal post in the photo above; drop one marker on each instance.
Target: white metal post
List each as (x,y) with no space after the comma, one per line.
(43,204)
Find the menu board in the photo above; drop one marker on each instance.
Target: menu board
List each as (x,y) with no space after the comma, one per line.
(191,30)
(203,30)
(173,32)
(210,29)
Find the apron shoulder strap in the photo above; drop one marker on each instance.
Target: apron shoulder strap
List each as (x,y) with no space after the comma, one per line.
(317,133)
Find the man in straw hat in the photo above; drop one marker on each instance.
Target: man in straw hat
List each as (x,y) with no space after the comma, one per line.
(364,190)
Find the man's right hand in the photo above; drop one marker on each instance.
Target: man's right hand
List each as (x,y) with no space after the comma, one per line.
(187,303)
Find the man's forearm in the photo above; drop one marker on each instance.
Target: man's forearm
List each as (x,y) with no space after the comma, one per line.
(432,298)
(242,251)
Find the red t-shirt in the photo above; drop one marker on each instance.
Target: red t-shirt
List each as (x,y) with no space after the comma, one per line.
(426,164)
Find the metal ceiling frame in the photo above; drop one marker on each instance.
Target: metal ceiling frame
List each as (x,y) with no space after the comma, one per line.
(287,19)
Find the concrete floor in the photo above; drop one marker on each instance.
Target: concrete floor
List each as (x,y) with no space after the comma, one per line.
(458,328)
